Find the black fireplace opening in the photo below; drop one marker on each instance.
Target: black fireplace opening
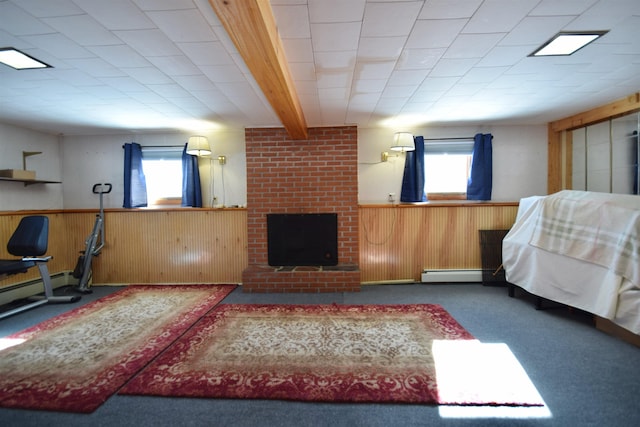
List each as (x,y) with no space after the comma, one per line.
(302,239)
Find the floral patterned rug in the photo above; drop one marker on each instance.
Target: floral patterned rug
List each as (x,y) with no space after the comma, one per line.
(372,353)
(75,361)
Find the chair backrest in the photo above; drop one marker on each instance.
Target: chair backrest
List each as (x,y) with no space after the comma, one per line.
(31,237)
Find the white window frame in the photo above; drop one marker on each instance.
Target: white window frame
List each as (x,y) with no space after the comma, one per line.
(156,194)
(447,147)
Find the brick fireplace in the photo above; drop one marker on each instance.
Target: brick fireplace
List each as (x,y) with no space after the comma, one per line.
(316,175)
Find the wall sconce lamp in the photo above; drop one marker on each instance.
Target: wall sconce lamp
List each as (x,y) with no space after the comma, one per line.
(402,142)
(198,146)
(222,160)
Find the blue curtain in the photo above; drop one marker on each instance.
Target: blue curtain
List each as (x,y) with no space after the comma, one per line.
(135,185)
(191,191)
(481,176)
(413,178)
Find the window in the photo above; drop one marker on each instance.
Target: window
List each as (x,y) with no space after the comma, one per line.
(162,168)
(447,166)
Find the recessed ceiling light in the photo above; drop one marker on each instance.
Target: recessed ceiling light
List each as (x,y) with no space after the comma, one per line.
(18,60)
(567,43)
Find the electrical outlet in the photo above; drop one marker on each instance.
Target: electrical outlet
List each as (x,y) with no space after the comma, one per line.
(392,197)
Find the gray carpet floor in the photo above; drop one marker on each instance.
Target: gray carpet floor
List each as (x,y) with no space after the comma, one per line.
(586,377)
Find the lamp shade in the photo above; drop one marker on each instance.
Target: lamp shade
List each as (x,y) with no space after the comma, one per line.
(403,141)
(198,146)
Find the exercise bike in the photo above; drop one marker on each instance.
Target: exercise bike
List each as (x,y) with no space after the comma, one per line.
(94,244)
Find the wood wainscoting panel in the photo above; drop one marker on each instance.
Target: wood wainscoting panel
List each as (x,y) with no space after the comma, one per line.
(398,242)
(146,246)
(173,246)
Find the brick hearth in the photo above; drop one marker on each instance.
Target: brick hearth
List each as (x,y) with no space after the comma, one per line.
(317,175)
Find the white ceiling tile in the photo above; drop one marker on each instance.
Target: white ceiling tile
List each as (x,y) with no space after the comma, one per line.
(148,75)
(195,83)
(83,29)
(59,46)
(298,50)
(363,59)
(119,55)
(335,37)
(95,67)
(292,21)
(433,34)
(449,9)
(307,89)
(206,53)
(303,71)
(438,84)
(499,16)
(380,48)
(333,93)
(183,25)
(403,92)
(116,14)
(370,86)
(338,79)
(323,11)
(124,84)
(374,70)
(535,30)
(171,90)
(18,22)
(472,45)
(149,42)
(149,5)
(342,60)
(364,99)
(178,65)
(565,7)
(407,77)
(44,9)
(412,59)
(390,19)
(501,56)
(223,73)
(483,74)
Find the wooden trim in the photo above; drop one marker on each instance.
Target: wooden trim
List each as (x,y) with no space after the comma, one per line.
(559,156)
(554,161)
(629,104)
(439,204)
(447,196)
(252,28)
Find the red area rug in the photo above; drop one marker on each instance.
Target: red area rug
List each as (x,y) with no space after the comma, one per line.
(372,353)
(75,361)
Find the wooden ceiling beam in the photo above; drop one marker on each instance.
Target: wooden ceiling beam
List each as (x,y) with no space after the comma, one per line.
(252,28)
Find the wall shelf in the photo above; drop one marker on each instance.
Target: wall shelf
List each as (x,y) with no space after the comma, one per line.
(26,179)
(29,181)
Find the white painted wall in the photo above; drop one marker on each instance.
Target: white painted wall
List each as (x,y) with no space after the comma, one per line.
(519,165)
(48,166)
(519,161)
(89,160)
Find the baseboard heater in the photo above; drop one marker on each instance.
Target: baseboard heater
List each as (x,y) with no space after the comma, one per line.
(451,276)
(29,288)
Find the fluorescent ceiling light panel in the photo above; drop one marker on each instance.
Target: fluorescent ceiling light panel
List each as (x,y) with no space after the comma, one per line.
(567,43)
(18,60)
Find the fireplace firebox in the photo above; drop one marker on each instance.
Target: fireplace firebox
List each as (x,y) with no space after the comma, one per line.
(302,239)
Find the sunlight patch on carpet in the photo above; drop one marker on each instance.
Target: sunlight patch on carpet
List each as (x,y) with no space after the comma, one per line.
(468,369)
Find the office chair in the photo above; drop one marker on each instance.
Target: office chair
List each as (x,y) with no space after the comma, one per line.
(29,241)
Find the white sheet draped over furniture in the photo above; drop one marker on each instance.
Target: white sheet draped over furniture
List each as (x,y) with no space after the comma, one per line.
(579,248)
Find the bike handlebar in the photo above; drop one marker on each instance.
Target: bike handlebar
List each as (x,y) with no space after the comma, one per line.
(101,189)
